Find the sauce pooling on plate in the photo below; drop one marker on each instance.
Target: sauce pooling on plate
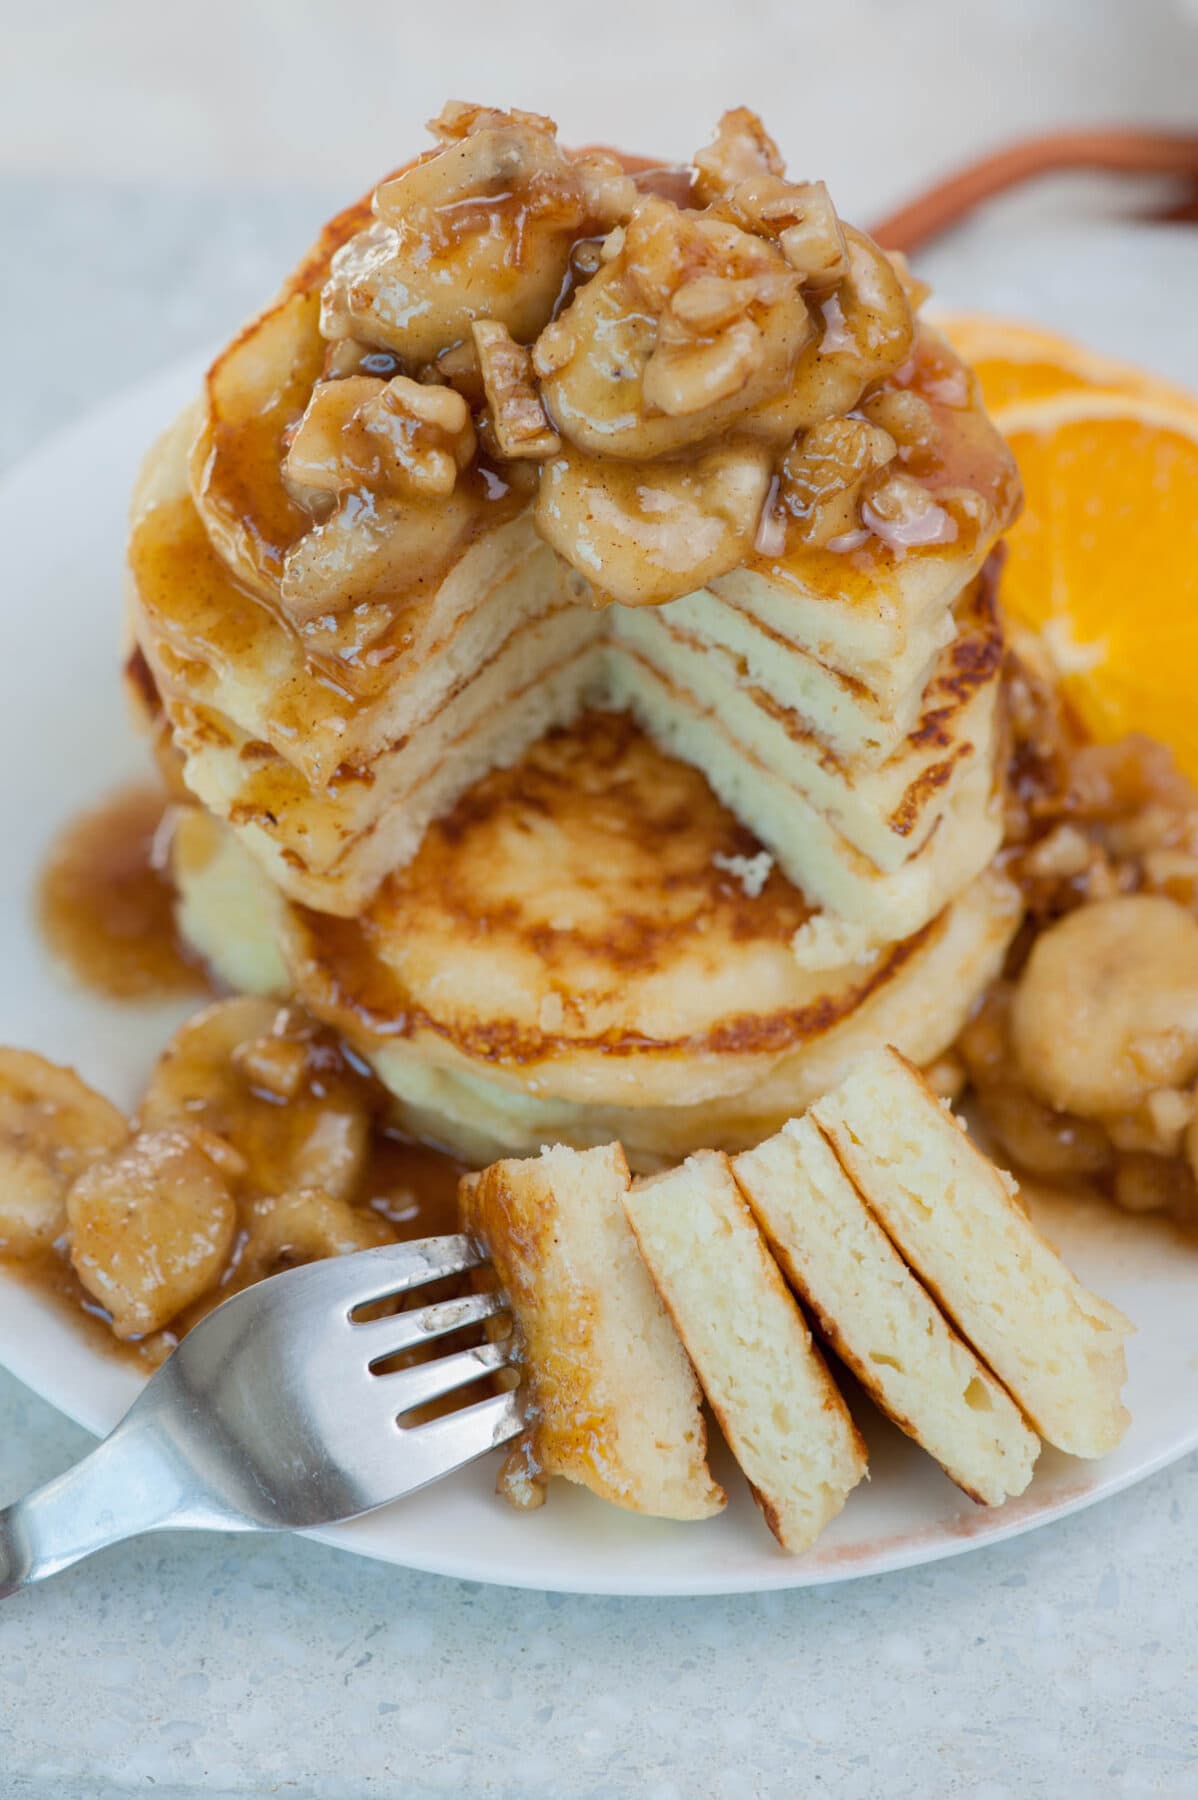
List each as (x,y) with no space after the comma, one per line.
(106,908)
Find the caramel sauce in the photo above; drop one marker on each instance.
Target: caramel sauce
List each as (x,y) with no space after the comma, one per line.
(242,475)
(105,907)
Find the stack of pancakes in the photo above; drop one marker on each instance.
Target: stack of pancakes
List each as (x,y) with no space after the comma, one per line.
(569,870)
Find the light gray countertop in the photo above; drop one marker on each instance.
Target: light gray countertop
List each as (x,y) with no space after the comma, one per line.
(1063,1663)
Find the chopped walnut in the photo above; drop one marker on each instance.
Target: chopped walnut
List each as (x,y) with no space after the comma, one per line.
(398,437)
(690,371)
(909,419)
(823,474)
(362,446)
(328,451)
(609,193)
(424,436)
(517,416)
(460,119)
(800,218)
(741,147)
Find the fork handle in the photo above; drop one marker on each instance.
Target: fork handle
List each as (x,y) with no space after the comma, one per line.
(129,1484)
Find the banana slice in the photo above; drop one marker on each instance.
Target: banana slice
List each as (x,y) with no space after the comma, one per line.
(1107,1009)
(152,1226)
(265,1080)
(52,1125)
(287,1229)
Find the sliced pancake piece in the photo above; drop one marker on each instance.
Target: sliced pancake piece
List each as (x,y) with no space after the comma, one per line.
(879,1319)
(1056,1347)
(613,1403)
(767,1384)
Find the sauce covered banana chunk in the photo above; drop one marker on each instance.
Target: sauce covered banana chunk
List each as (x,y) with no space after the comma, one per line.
(482,228)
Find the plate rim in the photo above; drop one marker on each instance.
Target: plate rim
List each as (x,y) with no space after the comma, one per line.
(159,391)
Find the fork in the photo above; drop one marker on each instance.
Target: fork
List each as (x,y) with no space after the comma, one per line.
(274,1414)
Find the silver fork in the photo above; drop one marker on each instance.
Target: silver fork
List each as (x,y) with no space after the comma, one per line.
(272,1415)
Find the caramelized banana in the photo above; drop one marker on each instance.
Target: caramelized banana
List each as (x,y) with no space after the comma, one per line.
(690,327)
(482,228)
(286,1229)
(52,1126)
(644,533)
(1106,1010)
(211,1075)
(152,1225)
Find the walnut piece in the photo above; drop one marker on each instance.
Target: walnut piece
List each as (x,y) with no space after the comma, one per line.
(517,415)
(823,474)
(741,147)
(401,438)
(800,218)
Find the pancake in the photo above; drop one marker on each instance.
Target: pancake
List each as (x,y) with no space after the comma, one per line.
(1056,1347)
(879,1319)
(777,1405)
(331,848)
(590,946)
(610,1400)
(886,810)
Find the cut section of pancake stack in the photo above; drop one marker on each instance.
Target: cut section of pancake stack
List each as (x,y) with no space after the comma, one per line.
(911,1257)
(469,490)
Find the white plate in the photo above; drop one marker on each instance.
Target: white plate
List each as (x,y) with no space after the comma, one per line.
(64,741)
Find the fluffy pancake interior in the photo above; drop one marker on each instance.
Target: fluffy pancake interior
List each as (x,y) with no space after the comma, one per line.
(767,1384)
(1058,1348)
(879,1319)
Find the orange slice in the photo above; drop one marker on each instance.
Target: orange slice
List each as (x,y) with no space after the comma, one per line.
(1104,559)
(1016,362)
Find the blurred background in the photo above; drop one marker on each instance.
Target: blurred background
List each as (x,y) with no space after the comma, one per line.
(160,165)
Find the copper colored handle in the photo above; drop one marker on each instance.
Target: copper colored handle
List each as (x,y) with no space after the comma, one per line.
(1122,152)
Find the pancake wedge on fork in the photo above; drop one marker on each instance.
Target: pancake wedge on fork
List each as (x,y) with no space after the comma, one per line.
(614,1404)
